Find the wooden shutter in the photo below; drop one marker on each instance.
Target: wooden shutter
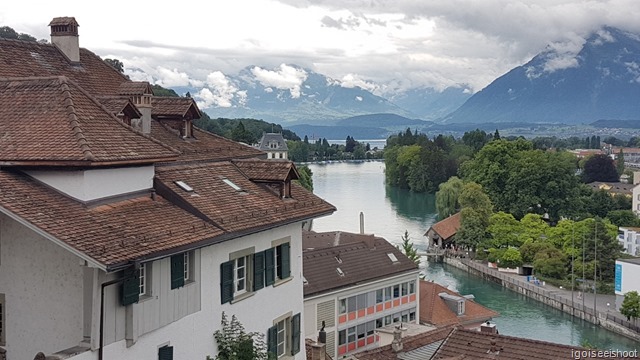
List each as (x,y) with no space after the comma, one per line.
(258,271)
(177,271)
(226,281)
(165,353)
(130,288)
(269,266)
(295,334)
(272,341)
(286,261)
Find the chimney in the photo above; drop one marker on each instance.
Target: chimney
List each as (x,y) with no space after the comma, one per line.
(396,344)
(318,351)
(64,35)
(361,222)
(488,327)
(322,335)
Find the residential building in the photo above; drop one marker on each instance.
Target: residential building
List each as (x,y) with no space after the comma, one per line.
(125,231)
(613,188)
(356,285)
(274,145)
(441,307)
(626,278)
(440,234)
(629,238)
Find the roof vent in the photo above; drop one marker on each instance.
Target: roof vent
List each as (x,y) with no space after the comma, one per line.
(338,259)
(340,272)
(183,185)
(392,257)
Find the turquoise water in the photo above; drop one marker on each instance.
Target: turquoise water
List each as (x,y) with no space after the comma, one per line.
(356,187)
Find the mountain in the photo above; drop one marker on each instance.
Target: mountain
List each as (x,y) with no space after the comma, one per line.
(430,104)
(381,120)
(337,132)
(601,81)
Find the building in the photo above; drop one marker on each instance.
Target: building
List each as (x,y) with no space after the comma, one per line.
(274,145)
(626,278)
(442,307)
(441,233)
(125,231)
(613,188)
(629,238)
(358,286)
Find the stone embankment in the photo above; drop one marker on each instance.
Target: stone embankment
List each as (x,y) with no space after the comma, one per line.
(553,297)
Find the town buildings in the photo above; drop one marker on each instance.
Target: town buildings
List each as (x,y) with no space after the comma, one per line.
(274,145)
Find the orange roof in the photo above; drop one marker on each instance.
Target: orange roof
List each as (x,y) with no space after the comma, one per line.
(434,311)
(446,228)
(52,121)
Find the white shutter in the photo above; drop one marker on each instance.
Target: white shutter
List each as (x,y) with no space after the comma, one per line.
(326,311)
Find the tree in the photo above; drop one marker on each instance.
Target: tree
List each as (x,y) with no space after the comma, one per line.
(408,249)
(474,216)
(235,344)
(624,218)
(599,167)
(306,177)
(240,134)
(7,32)
(631,305)
(551,262)
(496,135)
(620,163)
(116,64)
(447,197)
(505,230)
(350,144)
(510,258)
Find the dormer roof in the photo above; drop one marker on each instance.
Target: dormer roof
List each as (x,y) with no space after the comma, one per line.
(51,121)
(274,170)
(135,88)
(272,141)
(120,104)
(164,107)
(64,20)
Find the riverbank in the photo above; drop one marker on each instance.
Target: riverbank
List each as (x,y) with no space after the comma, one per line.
(555,297)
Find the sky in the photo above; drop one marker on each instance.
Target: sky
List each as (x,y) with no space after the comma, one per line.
(385,46)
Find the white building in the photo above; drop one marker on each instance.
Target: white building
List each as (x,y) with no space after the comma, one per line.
(274,145)
(360,286)
(629,238)
(129,243)
(627,278)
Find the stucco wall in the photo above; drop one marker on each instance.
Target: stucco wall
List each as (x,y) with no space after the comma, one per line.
(43,286)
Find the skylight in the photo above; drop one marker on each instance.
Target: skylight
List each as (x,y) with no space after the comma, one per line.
(184,186)
(340,272)
(392,257)
(230,183)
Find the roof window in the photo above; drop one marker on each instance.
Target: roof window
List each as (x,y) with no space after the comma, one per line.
(392,257)
(183,185)
(230,183)
(340,272)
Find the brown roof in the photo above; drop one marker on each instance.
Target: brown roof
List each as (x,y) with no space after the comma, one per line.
(272,170)
(253,207)
(135,88)
(110,234)
(64,20)
(360,262)
(174,107)
(204,146)
(434,310)
(29,58)
(52,121)
(448,227)
(119,104)
(472,344)
(612,187)
(410,343)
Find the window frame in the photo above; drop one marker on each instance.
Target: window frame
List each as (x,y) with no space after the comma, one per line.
(143,280)
(281,331)
(237,278)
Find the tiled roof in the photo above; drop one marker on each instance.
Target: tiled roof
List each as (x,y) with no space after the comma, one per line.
(252,207)
(478,345)
(268,138)
(29,58)
(174,107)
(204,146)
(63,20)
(434,310)
(117,104)
(53,121)
(612,187)
(135,88)
(273,170)
(448,227)
(360,262)
(110,234)
(409,344)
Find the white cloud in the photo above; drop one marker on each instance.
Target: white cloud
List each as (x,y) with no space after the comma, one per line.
(354,80)
(285,78)
(220,92)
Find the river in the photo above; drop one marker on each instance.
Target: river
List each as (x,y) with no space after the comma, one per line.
(359,187)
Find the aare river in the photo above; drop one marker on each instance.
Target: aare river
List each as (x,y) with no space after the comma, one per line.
(360,187)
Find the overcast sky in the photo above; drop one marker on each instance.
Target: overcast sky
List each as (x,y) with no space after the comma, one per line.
(396,44)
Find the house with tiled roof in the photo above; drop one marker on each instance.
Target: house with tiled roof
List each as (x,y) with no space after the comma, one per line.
(613,188)
(441,307)
(441,233)
(126,231)
(357,286)
(274,145)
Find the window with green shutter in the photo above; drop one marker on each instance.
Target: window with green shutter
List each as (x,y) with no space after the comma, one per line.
(165,353)
(283,261)
(269,266)
(226,281)
(130,288)
(295,334)
(272,340)
(177,271)
(258,271)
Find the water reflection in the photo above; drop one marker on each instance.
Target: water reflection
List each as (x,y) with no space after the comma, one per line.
(415,206)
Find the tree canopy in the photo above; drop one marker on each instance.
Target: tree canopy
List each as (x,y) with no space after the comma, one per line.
(447,196)
(599,167)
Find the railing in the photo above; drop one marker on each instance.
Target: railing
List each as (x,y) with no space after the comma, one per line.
(550,295)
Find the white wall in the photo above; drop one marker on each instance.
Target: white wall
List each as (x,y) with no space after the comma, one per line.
(87,185)
(635,198)
(43,287)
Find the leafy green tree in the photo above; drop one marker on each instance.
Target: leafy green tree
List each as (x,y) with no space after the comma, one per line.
(599,167)
(529,249)
(496,135)
(631,306)
(7,32)
(474,216)
(234,343)
(447,197)
(550,261)
(623,218)
(240,134)
(161,91)
(476,139)
(306,177)
(505,230)
(116,64)
(408,249)
(620,163)
(510,258)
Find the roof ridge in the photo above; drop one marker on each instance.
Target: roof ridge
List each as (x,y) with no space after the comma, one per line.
(73,119)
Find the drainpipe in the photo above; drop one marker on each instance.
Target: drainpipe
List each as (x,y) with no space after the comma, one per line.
(104,285)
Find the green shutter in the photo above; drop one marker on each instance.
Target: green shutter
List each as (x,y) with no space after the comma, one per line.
(269,266)
(272,340)
(165,353)
(286,261)
(295,334)
(258,271)
(177,271)
(130,289)
(226,281)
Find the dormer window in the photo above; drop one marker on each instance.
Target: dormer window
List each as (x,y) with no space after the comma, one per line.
(188,129)
(273,145)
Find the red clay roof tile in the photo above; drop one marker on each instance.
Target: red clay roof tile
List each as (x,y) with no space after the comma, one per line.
(448,227)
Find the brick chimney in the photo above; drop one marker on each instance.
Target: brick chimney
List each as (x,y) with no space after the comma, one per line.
(318,351)
(64,35)
(396,344)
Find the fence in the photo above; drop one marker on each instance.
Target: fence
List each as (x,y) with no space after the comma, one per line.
(549,297)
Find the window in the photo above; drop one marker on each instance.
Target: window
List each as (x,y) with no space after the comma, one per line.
(396,291)
(342,337)
(412,315)
(283,338)
(404,288)
(280,155)
(283,261)
(181,269)
(351,304)
(379,296)
(143,278)
(412,287)
(351,334)
(387,293)
(362,301)
(342,304)
(3,312)
(165,353)
(362,330)
(240,275)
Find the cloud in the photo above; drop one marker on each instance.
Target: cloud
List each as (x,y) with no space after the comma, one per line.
(171,78)
(353,80)
(340,23)
(285,78)
(219,92)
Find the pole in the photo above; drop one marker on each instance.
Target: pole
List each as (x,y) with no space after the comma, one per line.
(583,274)
(595,264)
(573,232)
